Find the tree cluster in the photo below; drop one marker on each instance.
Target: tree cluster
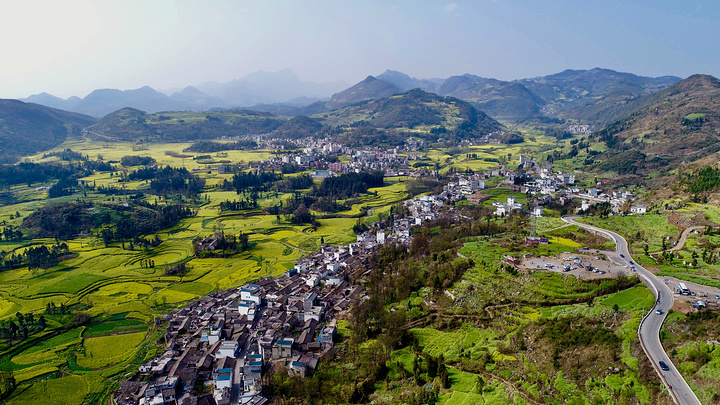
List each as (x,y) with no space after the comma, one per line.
(210,146)
(66,155)
(705,179)
(26,325)
(35,257)
(111,221)
(134,160)
(252,181)
(242,204)
(172,180)
(11,233)
(222,245)
(348,185)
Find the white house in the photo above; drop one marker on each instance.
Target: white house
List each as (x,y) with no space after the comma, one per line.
(638,209)
(380,237)
(250,293)
(538,211)
(227,348)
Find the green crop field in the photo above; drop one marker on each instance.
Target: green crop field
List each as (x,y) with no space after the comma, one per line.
(631,299)
(62,391)
(110,327)
(104,351)
(468,339)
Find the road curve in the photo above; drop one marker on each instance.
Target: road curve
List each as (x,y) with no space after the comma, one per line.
(649,330)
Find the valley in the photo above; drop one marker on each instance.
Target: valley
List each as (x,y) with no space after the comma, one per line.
(123,222)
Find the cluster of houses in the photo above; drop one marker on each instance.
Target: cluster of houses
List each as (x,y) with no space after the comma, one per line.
(219,349)
(619,201)
(315,152)
(546,183)
(467,184)
(579,129)
(394,162)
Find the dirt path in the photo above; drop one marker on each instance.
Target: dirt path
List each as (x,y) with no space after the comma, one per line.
(559,227)
(295,247)
(681,241)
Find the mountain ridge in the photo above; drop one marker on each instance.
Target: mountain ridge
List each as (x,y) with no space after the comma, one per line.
(591,96)
(673,128)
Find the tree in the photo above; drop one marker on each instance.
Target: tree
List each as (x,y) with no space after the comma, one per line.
(479,384)
(107,235)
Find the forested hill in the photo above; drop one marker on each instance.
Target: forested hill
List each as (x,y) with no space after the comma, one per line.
(675,127)
(418,113)
(413,113)
(130,124)
(26,128)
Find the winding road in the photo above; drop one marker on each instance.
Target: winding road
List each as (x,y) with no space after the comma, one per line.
(649,330)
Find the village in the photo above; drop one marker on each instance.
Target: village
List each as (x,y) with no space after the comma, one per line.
(220,349)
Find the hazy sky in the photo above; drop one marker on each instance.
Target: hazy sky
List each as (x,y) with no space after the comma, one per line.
(70,47)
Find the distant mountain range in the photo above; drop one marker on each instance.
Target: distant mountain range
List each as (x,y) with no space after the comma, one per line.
(594,96)
(575,94)
(282,87)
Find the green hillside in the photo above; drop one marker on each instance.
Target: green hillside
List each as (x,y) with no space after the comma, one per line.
(26,128)
(130,124)
(673,128)
(416,112)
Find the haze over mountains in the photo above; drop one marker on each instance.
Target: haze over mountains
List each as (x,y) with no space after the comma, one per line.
(257,88)
(594,95)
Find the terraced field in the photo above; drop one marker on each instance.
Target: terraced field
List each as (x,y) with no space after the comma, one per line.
(62,391)
(120,295)
(104,351)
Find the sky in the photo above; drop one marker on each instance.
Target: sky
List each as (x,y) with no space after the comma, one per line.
(72,47)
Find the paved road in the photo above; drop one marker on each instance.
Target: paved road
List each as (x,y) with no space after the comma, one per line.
(649,331)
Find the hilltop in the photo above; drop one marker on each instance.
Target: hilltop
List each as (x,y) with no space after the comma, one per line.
(672,128)
(415,113)
(368,89)
(500,99)
(26,128)
(595,96)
